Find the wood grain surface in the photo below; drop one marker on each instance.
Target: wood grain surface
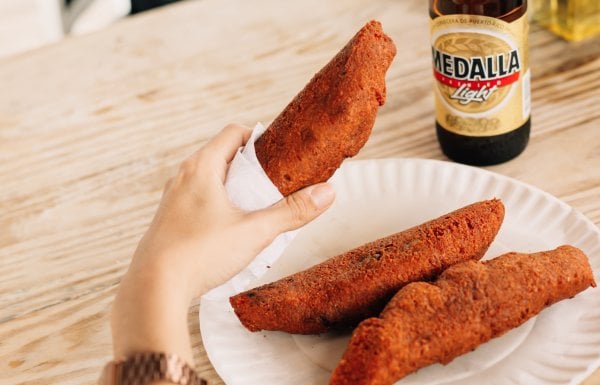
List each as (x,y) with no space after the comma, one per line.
(91,128)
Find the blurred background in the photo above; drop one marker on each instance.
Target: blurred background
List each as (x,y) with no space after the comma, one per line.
(28,24)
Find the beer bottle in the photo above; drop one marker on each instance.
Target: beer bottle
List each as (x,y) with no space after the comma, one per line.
(481,78)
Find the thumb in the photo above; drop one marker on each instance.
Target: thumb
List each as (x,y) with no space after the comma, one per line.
(297,209)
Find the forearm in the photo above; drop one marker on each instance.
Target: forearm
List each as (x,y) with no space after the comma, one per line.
(150,315)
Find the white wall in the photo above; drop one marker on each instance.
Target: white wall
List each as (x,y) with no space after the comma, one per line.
(28,24)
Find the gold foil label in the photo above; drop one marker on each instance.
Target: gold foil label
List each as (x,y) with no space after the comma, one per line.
(481,74)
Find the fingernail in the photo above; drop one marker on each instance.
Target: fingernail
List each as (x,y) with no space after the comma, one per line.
(322,195)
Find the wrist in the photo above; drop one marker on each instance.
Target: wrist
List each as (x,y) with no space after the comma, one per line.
(180,270)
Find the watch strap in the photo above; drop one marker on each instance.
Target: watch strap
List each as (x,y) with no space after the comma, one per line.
(144,368)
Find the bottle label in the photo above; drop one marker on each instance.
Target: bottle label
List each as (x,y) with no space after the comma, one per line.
(481,74)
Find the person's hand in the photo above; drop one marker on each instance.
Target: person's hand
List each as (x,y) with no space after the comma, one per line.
(197,240)
(199,237)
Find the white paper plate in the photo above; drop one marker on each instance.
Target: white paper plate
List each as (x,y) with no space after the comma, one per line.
(379,197)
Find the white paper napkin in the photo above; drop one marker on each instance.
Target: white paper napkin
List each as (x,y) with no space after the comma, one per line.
(249,188)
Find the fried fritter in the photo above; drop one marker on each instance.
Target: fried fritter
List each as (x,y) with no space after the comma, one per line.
(348,288)
(332,117)
(470,303)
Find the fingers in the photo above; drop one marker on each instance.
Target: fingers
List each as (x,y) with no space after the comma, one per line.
(295,210)
(226,143)
(213,158)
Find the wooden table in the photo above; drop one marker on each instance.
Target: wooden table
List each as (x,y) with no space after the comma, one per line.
(91,128)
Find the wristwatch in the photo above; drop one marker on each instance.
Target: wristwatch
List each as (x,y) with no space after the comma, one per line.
(144,368)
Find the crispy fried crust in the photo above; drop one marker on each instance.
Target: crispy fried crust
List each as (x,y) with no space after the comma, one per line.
(331,118)
(344,290)
(470,303)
